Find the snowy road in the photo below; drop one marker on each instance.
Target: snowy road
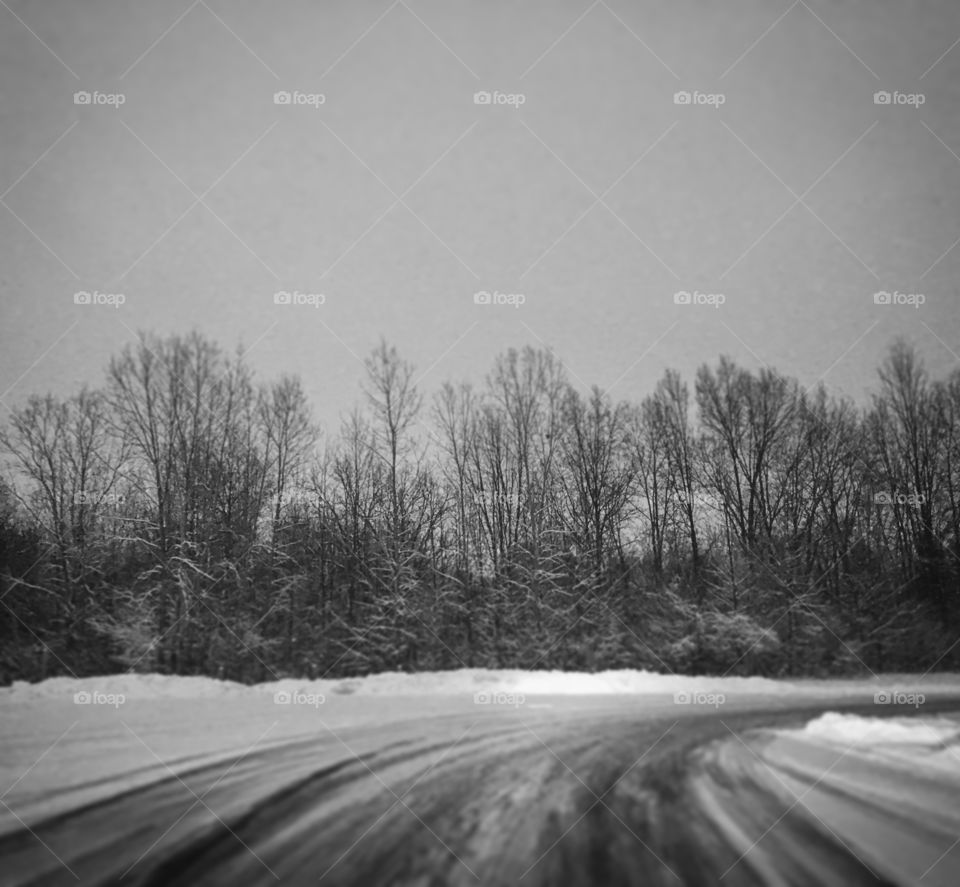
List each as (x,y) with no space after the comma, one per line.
(615,790)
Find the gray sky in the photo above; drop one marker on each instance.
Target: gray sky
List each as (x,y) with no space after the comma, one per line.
(597,199)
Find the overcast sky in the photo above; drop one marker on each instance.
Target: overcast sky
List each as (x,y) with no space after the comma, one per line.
(782,189)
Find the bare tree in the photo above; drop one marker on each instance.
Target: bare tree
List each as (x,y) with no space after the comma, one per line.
(598,473)
(649,442)
(672,399)
(396,404)
(66,450)
(747,417)
(908,427)
(455,414)
(290,435)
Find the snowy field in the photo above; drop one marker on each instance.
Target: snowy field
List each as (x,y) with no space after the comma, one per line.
(67,743)
(114,730)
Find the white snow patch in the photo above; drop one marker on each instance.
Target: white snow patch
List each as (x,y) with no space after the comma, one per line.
(856,730)
(547,683)
(926,743)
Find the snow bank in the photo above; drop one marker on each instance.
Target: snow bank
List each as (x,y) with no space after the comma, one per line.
(920,743)
(469,681)
(547,683)
(458,682)
(859,731)
(130,686)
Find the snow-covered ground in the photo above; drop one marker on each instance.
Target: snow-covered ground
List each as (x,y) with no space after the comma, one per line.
(112,731)
(906,770)
(66,743)
(469,681)
(65,731)
(918,743)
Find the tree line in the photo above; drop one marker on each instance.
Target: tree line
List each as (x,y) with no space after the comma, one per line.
(186,518)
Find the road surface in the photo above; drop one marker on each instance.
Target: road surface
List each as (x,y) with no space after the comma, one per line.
(576,791)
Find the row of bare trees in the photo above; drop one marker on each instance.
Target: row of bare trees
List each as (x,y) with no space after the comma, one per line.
(187,518)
